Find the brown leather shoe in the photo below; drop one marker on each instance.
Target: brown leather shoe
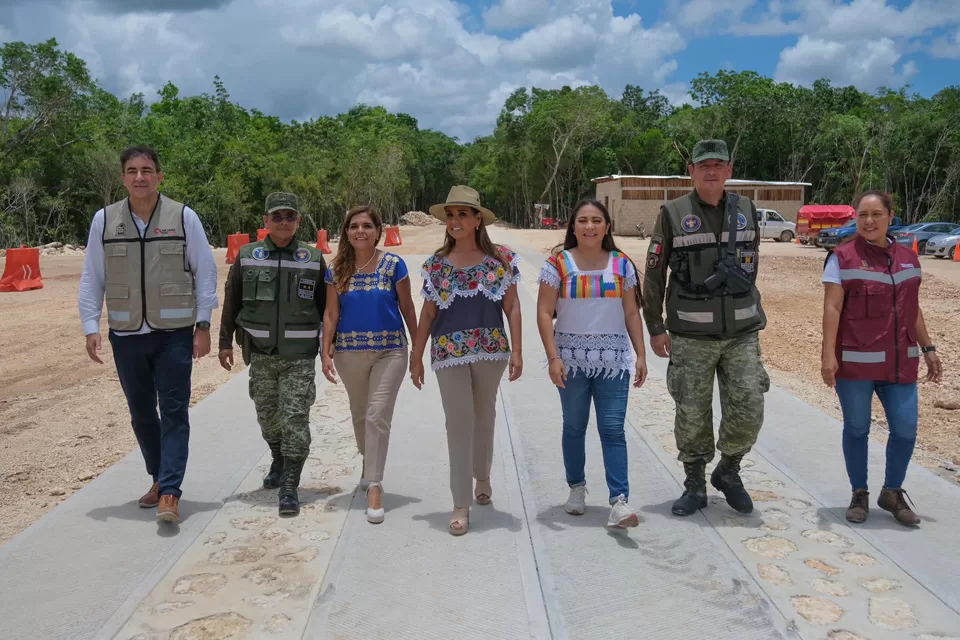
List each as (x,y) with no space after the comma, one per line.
(859,507)
(169,510)
(895,501)
(151,498)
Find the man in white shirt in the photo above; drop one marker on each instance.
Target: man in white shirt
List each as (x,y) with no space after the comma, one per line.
(149,256)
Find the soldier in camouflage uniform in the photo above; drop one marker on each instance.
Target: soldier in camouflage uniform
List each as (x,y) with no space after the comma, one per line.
(713,319)
(274,302)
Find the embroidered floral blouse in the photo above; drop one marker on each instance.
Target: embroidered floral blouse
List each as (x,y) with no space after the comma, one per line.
(469,323)
(370,317)
(591,330)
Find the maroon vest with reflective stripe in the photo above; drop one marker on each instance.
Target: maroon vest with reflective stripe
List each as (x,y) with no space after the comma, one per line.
(877,339)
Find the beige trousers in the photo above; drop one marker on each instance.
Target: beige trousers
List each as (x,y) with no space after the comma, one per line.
(372,380)
(469,396)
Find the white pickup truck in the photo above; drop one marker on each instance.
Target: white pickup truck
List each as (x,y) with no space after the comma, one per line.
(772,225)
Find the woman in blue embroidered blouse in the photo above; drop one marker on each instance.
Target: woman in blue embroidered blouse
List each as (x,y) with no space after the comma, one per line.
(468,285)
(368,300)
(592,289)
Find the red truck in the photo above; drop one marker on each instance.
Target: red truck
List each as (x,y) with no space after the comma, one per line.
(814,218)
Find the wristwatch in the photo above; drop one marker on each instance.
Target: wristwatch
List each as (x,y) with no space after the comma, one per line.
(203,324)
(928,349)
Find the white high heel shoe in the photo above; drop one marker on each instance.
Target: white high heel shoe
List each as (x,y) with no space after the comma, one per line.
(375,516)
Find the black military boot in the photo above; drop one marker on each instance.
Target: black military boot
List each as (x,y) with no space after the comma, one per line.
(274,477)
(289,501)
(726,479)
(694,495)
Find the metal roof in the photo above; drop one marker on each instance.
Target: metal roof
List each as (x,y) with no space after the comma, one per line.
(732,181)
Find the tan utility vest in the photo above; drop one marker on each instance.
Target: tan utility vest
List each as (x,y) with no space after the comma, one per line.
(692,309)
(148,278)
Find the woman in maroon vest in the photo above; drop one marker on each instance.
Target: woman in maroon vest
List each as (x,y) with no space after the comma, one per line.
(873,336)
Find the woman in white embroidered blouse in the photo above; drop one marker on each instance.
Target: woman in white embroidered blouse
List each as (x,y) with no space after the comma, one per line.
(591,288)
(468,286)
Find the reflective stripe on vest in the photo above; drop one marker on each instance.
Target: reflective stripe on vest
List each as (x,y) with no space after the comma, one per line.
(257,333)
(709,238)
(148,278)
(864,357)
(290,333)
(288,264)
(879,276)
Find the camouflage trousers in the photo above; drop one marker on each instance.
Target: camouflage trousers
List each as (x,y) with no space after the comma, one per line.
(739,370)
(283,392)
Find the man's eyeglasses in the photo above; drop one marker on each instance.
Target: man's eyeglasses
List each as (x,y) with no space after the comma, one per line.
(281,217)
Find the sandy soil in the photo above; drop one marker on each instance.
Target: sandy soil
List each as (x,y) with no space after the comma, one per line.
(63,418)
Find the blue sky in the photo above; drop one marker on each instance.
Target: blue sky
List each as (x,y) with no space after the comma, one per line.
(451,63)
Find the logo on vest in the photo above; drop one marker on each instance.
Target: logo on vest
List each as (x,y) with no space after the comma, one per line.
(748,260)
(301,255)
(741,222)
(121,229)
(305,288)
(690,223)
(163,232)
(260,253)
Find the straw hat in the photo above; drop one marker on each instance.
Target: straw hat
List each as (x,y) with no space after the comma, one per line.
(465,196)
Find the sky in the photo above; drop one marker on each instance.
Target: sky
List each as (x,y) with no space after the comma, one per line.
(451,64)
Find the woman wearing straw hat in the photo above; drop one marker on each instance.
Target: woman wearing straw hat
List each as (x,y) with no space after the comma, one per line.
(469,284)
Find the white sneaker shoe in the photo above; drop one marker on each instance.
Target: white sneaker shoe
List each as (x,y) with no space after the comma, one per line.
(577,502)
(621,515)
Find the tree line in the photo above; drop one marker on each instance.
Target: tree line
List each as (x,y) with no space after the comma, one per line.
(61,135)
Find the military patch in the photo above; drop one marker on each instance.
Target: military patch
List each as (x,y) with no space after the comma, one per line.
(306,288)
(741,222)
(748,260)
(121,229)
(690,223)
(260,253)
(301,255)
(652,261)
(655,247)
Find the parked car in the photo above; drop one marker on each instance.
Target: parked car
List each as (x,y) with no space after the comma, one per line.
(942,246)
(923,231)
(833,238)
(772,225)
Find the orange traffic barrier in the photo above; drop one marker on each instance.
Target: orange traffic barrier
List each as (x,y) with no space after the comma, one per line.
(322,243)
(916,249)
(234,242)
(261,234)
(22,271)
(393,237)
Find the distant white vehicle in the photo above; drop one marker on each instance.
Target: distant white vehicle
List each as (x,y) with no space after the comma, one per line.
(773,226)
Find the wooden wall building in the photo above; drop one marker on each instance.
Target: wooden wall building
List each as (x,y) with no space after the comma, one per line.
(637,199)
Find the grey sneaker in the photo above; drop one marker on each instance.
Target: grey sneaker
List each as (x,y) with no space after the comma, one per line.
(621,515)
(577,502)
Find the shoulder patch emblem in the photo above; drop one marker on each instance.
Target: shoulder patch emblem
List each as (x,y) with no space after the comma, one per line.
(260,253)
(121,229)
(741,222)
(690,223)
(652,261)
(301,255)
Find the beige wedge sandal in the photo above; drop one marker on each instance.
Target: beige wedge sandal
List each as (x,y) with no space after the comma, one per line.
(483,492)
(459,521)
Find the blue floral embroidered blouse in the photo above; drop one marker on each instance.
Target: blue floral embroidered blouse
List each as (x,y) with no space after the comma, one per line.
(370,317)
(469,324)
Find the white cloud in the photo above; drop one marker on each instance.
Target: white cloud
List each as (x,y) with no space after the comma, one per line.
(865,64)
(944,48)
(515,14)
(563,43)
(700,14)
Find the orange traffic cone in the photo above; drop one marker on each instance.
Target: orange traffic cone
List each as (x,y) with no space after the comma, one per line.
(393,237)
(234,242)
(261,234)
(797,240)
(916,249)
(956,252)
(322,243)
(22,270)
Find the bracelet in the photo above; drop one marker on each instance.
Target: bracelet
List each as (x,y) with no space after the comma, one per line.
(549,360)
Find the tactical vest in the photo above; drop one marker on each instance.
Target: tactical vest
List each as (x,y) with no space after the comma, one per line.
(148,278)
(279,315)
(692,309)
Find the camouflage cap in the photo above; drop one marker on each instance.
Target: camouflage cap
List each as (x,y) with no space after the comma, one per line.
(279,200)
(710,150)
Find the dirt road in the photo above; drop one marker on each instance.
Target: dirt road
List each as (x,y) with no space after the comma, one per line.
(63,419)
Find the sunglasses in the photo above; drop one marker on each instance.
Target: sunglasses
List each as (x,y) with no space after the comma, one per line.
(281,217)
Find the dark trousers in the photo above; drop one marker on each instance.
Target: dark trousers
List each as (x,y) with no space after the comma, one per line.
(155,368)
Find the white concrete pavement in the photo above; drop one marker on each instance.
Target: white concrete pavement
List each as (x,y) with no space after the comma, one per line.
(99,567)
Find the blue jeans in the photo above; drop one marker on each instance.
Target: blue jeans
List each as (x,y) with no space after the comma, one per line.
(609,397)
(900,406)
(155,368)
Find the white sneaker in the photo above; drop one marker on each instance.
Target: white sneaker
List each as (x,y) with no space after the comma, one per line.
(577,502)
(621,515)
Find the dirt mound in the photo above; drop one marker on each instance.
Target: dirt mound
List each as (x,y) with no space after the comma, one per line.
(418,219)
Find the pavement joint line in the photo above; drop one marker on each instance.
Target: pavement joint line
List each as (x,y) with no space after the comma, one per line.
(547,590)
